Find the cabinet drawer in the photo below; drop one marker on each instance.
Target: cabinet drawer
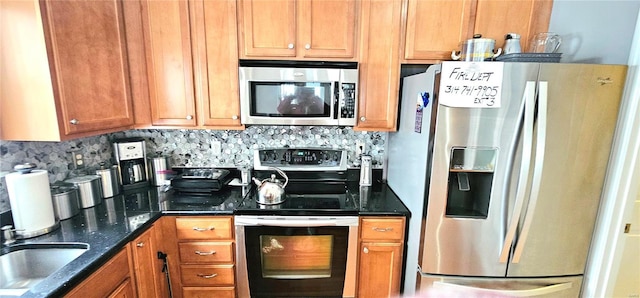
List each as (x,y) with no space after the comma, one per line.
(206,252)
(382,228)
(207,275)
(208,228)
(206,292)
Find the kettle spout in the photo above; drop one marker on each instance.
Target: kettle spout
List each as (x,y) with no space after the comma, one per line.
(256,181)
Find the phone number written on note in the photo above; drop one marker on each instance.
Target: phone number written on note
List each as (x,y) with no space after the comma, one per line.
(482,95)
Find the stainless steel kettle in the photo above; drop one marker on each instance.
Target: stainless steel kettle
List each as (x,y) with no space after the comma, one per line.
(271,190)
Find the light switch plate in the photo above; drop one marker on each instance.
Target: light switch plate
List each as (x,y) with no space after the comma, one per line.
(360,147)
(216,147)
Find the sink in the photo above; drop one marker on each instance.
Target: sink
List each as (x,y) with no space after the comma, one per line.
(27,264)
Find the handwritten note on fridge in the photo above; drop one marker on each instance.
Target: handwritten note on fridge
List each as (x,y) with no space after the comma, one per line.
(471,84)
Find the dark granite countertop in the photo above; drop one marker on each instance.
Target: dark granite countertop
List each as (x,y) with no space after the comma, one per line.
(110,225)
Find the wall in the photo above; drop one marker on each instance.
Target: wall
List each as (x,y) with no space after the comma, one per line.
(594,31)
(189,148)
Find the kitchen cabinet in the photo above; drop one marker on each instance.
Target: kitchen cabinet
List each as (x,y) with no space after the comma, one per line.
(304,29)
(113,279)
(380,260)
(192,64)
(435,28)
(203,253)
(149,277)
(379,64)
(64,70)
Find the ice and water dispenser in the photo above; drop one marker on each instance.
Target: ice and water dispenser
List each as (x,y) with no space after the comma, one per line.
(471,173)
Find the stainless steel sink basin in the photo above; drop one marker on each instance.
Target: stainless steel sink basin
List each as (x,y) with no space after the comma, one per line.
(28,264)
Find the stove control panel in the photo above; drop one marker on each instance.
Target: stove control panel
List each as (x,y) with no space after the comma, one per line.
(301,159)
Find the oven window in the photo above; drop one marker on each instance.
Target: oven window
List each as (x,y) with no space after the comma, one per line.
(296,261)
(296,257)
(291,99)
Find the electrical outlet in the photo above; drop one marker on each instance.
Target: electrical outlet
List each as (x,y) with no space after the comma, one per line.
(77,158)
(361,147)
(216,147)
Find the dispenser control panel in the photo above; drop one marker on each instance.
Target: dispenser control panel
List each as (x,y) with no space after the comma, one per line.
(128,151)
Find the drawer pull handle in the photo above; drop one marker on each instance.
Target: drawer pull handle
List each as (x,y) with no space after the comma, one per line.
(382,229)
(203,229)
(207,275)
(202,253)
(140,244)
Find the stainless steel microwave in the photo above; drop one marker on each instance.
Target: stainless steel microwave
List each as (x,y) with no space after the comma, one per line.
(298,92)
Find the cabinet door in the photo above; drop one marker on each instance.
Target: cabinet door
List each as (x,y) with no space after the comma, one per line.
(88,62)
(380,269)
(148,268)
(107,279)
(495,18)
(169,62)
(267,28)
(125,290)
(379,64)
(215,35)
(327,28)
(435,28)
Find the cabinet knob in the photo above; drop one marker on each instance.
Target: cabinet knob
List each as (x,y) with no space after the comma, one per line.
(234,117)
(307,46)
(365,250)
(290,46)
(362,119)
(74,121)
(189,117)
(140,244)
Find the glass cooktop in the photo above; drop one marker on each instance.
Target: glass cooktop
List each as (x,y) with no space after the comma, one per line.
(303,204)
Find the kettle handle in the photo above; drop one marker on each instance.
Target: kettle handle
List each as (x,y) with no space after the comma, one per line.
(286,178)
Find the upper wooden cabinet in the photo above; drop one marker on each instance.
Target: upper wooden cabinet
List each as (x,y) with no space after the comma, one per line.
(379,64)
(302,29)
(64,70)
(192,63)
(434,28)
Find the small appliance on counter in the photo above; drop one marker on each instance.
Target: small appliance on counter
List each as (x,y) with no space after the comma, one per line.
(201,180)
(30,200)
(130,154)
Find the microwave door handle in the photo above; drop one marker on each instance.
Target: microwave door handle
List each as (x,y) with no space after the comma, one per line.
(523,177)
(537,170)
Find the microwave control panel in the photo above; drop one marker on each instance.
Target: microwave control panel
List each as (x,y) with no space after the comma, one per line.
(348,101)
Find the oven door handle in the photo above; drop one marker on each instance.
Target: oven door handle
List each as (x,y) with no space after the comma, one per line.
(295,222)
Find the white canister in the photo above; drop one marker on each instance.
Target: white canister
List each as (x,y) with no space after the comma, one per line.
(30,200)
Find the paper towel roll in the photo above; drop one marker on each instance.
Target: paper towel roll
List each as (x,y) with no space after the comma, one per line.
(31,205)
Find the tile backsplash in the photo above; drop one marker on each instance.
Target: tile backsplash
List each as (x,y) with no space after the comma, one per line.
(191,148)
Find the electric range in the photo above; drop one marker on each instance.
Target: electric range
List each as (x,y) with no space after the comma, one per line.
(318,183)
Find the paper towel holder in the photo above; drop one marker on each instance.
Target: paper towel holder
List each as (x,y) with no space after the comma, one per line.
(24,169)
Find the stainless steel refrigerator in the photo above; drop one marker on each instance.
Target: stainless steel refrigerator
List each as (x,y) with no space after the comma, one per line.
(508,193)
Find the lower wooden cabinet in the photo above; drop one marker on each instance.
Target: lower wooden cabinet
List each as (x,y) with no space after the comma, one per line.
(201,255)
(149,279)
(113,279)
(380,256)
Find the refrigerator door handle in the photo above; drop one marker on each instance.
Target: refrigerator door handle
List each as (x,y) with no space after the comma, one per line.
(523,177)
(472,291)
(537,170)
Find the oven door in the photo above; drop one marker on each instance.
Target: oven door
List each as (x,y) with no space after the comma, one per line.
(293,256)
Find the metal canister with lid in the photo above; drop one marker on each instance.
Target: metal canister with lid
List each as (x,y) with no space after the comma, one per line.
(109,180)
(89,190)
(65,200)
